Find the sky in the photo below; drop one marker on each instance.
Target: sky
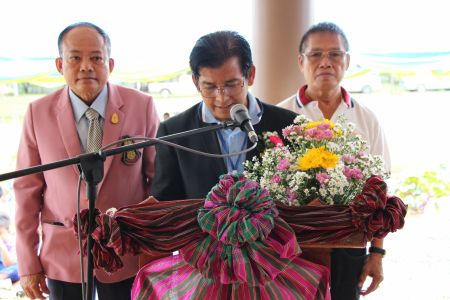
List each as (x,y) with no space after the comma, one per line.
(162,32)
(155,31)
(389,25)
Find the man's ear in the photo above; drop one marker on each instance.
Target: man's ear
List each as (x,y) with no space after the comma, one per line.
(300,61)
(348,61)
(195,81)
(58,63)
(251,75)
(111,65)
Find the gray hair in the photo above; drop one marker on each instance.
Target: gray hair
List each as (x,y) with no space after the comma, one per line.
(84,24)
(323,27)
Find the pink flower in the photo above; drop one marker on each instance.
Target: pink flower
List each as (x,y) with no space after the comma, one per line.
(322,178)
(348,159)
(299,129)
(323,126)
(287,131)
(283,165)
(319,134)
(291,195)
(292,128)
(312,132)
(353,173)
(276,140)
(328,134)
(276,179)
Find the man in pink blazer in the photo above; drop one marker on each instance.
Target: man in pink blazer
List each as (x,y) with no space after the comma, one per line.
(56,128)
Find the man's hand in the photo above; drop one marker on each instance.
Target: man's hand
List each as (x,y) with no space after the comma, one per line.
(34,285)
(373,268)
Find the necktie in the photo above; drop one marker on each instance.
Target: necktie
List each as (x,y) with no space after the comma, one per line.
(94,139)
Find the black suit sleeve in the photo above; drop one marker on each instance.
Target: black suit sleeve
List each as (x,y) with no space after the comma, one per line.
(167,183)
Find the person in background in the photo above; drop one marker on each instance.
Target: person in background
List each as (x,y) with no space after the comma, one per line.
(6,197)
(222,71)
(81,117)
(323,59)
(8,258)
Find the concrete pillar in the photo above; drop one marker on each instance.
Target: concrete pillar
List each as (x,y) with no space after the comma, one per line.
(277,28)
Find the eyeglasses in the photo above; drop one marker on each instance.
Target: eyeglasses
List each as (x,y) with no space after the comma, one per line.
(333,55)
(231,89)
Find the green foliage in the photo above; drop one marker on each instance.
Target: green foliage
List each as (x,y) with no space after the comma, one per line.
(417,191)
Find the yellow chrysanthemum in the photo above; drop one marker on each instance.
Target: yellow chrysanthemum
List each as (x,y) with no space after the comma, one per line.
(317,158)
(317,123)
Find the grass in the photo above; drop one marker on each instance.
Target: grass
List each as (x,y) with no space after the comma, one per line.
(12,108)
(12,111)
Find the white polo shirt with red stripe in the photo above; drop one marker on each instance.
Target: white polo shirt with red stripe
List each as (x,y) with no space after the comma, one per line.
(366,122)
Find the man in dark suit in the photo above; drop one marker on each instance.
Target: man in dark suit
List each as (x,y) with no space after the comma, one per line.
(222,70)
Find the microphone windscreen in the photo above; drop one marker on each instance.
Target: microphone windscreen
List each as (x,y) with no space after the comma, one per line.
(239,113)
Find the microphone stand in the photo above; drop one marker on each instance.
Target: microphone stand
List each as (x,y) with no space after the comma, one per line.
(91,165)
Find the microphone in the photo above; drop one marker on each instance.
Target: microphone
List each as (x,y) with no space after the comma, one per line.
(239,114)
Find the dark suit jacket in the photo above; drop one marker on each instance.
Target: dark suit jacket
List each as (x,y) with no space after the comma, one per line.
(183,175)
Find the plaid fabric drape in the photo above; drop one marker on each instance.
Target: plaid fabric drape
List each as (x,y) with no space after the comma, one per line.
(236,244)
(163,227)
(246,252)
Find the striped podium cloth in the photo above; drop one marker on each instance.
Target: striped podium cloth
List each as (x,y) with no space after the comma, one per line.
(236,244)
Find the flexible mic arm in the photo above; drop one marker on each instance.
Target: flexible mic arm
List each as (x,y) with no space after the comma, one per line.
(109,152)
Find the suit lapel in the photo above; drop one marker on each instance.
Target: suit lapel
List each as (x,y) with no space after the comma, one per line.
(114,119)
(259,129)
(67,129)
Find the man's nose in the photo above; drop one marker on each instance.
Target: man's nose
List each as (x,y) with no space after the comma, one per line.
(325,60)
(221,94)
(86,65)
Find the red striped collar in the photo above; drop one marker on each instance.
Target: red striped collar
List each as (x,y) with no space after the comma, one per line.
(303,99)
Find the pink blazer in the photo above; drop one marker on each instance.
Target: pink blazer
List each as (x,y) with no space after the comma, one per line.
(48,199)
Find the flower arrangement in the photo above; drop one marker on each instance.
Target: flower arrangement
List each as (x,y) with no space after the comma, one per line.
(320,160)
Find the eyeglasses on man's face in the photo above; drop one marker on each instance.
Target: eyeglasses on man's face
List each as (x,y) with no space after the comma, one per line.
(229,89)
(333,55)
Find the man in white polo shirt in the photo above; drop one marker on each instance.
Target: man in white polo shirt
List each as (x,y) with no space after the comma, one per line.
(323,59)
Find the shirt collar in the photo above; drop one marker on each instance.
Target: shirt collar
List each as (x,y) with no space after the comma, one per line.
(79,107)
(303,99)
(254,111)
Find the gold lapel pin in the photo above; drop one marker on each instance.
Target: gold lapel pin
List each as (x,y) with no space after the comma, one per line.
(115,118)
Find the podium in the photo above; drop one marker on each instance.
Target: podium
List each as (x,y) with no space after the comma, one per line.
(320,252)
(239,238)
(160,228)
